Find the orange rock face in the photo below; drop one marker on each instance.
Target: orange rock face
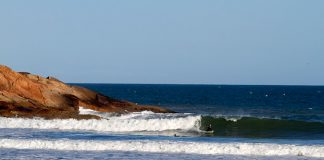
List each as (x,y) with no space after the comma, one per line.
(27,95)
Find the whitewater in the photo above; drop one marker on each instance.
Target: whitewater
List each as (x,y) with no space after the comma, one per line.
(165,125)
(258,149)
(140,121)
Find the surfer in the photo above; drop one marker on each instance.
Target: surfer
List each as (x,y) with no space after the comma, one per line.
(209,128)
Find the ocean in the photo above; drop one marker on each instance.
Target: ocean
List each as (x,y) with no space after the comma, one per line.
(248,122)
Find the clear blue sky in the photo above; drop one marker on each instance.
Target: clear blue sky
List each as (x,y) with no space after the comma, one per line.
(167,41)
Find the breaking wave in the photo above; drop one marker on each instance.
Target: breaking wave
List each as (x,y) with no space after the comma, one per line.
(141,121)
(233,148)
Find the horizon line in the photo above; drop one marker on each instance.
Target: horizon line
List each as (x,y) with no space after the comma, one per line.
(206,84)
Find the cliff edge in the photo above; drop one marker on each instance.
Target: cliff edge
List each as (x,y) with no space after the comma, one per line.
(26,95)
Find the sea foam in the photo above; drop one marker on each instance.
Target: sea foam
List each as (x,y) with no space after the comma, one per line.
(233,148)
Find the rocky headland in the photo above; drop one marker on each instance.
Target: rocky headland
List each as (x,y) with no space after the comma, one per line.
(26,95)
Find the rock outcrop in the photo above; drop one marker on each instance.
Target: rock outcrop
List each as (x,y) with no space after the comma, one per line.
(26,95)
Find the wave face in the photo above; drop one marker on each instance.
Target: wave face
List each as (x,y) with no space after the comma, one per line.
(263,127)
(261,149)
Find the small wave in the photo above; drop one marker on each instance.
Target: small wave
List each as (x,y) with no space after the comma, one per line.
(259,149)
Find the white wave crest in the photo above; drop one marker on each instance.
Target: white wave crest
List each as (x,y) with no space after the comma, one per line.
(259,149)
(141,121)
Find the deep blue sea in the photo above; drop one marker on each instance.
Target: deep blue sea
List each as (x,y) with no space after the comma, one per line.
(248,122)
